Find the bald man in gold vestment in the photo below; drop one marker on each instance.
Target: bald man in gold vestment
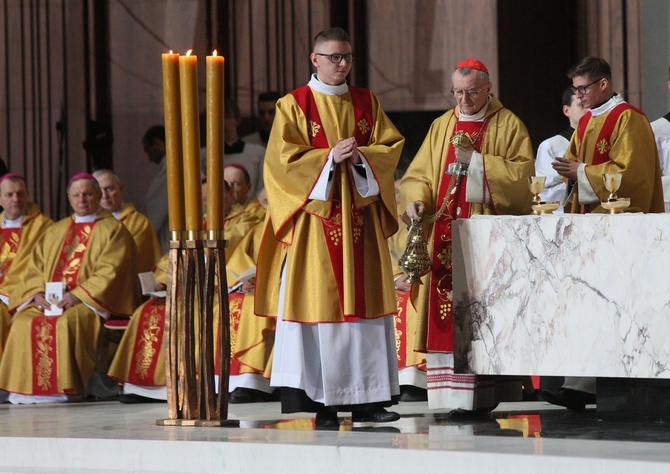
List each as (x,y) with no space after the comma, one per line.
(22,226)
(51,358)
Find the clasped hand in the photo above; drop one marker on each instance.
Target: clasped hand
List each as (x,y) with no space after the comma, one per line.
(66,302)
(565,167)
(463,154)
(345,149)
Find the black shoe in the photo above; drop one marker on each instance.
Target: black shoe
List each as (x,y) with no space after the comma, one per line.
(377,416)
(131,398)
(461,414)
(530,397)
(327,420)
(376,429)
(409,393)
(570,399)
(249,395)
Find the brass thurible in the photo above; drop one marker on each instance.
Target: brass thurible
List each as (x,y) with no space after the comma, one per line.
(415,262)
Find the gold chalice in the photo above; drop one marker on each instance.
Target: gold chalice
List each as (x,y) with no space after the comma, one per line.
(612,183)
(614,204)
(536,185)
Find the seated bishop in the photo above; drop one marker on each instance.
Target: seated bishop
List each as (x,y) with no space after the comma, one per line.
(139,226)
(88,262)
(22,225)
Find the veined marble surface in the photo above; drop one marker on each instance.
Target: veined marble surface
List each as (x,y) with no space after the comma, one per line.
(577,295)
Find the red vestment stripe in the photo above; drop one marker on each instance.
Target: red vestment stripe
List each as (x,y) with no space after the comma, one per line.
(45,355)
(151,331)
(361,100)
(235,301)
(602,146)
(72,253)
(9,244)
(440,297)
(400,320)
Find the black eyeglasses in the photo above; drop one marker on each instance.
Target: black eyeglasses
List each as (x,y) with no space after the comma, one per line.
(337,58)
(583,89)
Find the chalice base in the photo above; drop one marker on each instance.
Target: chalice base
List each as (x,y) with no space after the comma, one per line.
(616,206)
(545,207)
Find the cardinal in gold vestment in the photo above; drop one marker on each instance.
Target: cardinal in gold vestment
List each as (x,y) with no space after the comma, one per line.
(476,159)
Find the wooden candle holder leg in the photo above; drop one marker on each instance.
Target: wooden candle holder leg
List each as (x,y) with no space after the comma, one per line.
(190,378)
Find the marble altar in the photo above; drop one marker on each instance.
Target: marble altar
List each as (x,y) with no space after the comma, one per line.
(575,295)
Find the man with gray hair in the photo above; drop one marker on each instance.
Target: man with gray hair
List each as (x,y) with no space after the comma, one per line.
(476,159)
(148,248)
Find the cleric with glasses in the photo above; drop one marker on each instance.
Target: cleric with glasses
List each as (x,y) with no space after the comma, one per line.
(337,58)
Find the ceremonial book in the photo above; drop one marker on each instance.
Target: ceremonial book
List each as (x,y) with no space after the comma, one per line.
(53,293)
(148,283)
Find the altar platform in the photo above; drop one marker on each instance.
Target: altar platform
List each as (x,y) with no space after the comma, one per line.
(533,437)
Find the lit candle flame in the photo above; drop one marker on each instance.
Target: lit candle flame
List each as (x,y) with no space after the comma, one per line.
(188,53)
(214,53)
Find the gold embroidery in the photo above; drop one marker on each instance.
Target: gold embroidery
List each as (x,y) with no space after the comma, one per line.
(398,332)
(43,368)
(149,336)
(603,146)
(336,235)
(234,311)
(68,267)
(8,252)
(445,256)
(363,126)
(357,222)
(314,128)
(335,225)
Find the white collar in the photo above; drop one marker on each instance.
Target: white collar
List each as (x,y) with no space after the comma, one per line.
(87,219)
(613,101)
(324,88)
(118,212)
(12,224)
(462,116)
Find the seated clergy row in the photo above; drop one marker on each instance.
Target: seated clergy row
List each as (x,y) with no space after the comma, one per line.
(90,261)
(98,259)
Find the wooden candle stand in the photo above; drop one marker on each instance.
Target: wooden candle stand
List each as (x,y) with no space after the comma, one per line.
(189,351)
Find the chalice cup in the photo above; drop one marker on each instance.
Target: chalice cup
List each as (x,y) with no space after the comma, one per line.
(612,182)
(536,185)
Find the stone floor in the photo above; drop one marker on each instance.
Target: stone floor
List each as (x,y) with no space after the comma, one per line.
(109,437)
